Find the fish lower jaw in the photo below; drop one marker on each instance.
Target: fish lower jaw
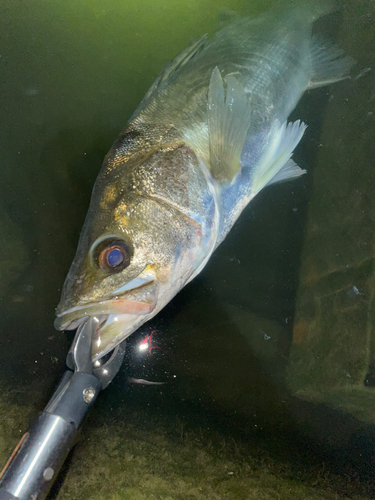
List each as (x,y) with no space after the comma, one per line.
(71,318)
(75,323)
(111,330)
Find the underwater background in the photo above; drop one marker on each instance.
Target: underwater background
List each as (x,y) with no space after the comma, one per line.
(267,356)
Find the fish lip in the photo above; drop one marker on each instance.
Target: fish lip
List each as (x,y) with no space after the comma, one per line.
(121,304)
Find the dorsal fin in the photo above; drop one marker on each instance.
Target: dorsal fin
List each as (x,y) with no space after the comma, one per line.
(172,69)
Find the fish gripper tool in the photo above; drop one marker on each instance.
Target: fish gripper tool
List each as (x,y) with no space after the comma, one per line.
(35,463)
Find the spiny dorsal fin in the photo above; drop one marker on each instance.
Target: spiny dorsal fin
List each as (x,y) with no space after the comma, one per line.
(228,119)
(173,67)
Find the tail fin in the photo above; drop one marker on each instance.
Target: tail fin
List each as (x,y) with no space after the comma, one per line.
(329,64)
(307,9)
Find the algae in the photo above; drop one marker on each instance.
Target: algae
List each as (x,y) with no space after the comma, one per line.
(331,359)
(132,452)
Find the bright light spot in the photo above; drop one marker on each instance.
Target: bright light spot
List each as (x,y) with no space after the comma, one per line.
(143,347)
(99,341)
(105,372)
(96,319)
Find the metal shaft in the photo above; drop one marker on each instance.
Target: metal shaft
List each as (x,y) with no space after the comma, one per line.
(40,454)
(38,457)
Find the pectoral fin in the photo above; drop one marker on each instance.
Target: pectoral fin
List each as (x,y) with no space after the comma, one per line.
(228,119)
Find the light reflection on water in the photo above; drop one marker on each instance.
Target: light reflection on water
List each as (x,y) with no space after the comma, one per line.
(74,72)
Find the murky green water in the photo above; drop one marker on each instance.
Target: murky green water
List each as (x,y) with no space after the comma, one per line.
(268,353)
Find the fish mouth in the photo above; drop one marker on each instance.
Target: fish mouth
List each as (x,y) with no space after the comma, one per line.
(117,317)
(73,317)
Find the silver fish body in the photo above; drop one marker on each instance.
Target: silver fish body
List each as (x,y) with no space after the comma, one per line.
(209,135)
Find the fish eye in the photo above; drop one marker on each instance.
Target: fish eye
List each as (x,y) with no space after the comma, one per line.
(112,255)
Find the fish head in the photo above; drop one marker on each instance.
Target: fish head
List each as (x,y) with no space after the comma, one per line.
(134,254)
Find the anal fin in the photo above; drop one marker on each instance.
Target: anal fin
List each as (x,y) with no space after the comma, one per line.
(228,118)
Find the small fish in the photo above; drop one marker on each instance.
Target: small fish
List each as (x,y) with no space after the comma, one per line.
(142,381)
(209,135)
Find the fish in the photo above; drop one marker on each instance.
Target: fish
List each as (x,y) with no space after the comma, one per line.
(142,381)
(209,135)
